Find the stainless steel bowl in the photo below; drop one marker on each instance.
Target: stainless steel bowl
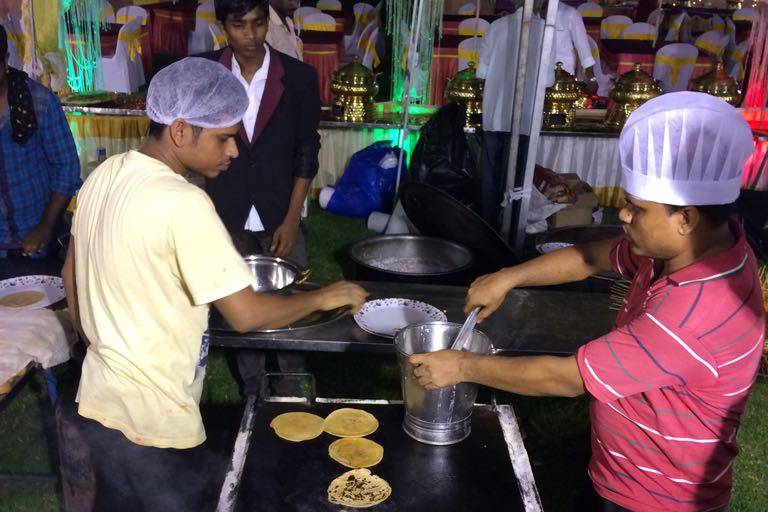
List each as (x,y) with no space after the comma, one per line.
(274,273)
(410,255)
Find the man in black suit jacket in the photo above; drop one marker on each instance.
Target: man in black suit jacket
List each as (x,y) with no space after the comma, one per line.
(261,196)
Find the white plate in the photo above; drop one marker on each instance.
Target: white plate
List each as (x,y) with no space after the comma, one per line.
(384,317)
(51,287)
(548,247)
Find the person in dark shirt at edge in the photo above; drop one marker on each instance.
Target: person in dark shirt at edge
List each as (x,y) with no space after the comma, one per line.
(261,197)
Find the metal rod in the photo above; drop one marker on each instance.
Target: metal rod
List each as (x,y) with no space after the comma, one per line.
(545,68)
(520,77)
(518,455)
(231,486)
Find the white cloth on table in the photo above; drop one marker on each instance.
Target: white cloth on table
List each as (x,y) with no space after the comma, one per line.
(39,335)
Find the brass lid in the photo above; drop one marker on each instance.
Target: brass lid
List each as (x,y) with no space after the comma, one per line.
(637,80)
(720,84)
(564,81)
(465,85)
(354,73)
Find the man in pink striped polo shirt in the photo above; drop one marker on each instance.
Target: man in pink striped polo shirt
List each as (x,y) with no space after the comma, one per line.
(670,382)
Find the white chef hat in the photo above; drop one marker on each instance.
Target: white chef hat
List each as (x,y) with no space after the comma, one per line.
(199,91)
(685,149)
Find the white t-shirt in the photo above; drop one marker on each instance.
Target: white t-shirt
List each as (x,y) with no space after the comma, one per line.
(150,255)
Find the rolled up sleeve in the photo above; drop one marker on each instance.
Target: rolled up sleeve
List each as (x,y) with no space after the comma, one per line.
(305,161)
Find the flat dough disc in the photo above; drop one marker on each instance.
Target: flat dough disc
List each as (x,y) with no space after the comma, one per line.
(297,426)
(356,452)
(21,299)
(359,489)
(350,423)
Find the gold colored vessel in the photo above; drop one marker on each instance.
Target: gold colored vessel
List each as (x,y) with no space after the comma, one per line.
(560,100)
(720,84)
(466,89)
(631,90)
(354,87)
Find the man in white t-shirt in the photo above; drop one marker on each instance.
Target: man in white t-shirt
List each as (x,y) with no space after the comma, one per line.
(148,256)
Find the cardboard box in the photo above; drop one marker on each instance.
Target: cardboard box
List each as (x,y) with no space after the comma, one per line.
(579,213)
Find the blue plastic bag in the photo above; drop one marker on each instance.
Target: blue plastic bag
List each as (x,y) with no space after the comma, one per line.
(368,182)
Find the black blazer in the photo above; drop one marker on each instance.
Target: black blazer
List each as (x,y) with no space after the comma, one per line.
(285,145)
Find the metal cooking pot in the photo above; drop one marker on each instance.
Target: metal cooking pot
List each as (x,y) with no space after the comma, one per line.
(410,258)
(273,273)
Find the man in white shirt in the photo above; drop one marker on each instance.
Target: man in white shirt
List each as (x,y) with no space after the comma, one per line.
(282,34)
(498,66)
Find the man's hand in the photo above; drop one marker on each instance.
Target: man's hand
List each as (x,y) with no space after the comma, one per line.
(284,238)
(36,239)
(487,292)
(439,369)
(341,294)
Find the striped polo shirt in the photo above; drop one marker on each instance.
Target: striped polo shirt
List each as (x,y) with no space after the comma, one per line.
(670,382)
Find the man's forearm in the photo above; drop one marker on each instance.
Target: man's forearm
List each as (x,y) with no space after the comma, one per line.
(562,266)
(54,210)
(298,195)
(529,375)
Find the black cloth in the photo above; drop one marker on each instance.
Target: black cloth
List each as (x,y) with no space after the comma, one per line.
(287,148)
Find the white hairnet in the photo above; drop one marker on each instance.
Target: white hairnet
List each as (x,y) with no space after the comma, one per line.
(199,91)
(685,149)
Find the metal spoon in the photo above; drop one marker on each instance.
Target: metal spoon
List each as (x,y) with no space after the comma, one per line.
(466,330)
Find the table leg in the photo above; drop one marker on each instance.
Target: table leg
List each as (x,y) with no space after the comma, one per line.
(519,457)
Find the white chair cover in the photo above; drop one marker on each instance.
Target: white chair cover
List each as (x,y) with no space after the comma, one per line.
(590,10)
(612,26)
(718,23)
(14,57)
(200,39)
(107,12)
(744,14)
(129,13)
(640,32)
(469,52)
(301,13)
(676,27)
(319,21)
(736,59)
(364,14)
(329,5)
(674,65)
(15,31)
(712,42)
(730,29)
(656,17)
(468,9)
(473,26)
(123,72)
(370,55)
(218,35)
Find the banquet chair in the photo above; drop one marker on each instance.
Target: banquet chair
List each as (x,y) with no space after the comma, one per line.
(674,65)
(639,32)
(676,27)
(131,12)
(712,43)
(123,71)
(218,35)
(604,79)
(364,14)
(468,9)
(612,26)
(14,30)
(14,57)
(473,26)
(329,5)
(469,52)
(730,29)
(319,22)
(371,56)
(745,14)
(365,37)
(301,13)
(717,23)
(736,59)
(107,12)
(656,17)
(200,39)
(590,10)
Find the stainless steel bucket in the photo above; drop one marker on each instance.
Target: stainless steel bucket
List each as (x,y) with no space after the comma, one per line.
(440,416)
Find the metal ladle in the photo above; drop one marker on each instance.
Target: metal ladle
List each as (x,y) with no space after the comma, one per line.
(465,332)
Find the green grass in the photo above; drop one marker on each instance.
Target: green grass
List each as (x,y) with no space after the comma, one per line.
(556,429)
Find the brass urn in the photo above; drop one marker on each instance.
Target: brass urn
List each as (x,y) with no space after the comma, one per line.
(631,90)
(560,100)
(354,87)
(466,89)
(720,84)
